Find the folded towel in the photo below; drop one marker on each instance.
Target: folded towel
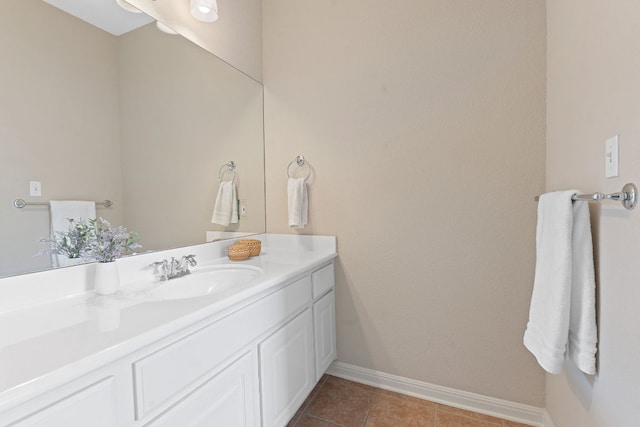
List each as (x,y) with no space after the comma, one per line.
(298,202)
(61,212)
(225,210)
(562,309)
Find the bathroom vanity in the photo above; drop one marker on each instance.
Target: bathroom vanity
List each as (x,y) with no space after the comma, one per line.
(246,354)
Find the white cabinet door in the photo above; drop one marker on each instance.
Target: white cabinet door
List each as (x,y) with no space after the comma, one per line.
(93,406)
(324,322)
(287,370)
(163,377)
(228,399)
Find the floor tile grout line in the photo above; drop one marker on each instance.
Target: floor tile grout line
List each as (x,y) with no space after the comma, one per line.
(366,419)
(371,403)
(303,412)
(311,397)
(469,415)
(435,408)
(323,420)
(303,408)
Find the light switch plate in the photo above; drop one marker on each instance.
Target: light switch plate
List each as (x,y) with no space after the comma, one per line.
(35,188)
(611,157)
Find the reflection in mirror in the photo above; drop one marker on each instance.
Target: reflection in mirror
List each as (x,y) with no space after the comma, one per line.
(144,119)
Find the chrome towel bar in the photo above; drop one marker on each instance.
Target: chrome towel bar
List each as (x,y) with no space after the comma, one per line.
(19,203)
(628,196)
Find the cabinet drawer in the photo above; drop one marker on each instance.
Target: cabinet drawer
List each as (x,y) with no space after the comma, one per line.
(94,405)
(165,375)
(323,280)
(228,399)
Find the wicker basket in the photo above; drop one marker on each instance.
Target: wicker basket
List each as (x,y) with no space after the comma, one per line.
(238,253)
(254,245)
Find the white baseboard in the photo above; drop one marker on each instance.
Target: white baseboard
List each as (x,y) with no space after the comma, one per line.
(505,409)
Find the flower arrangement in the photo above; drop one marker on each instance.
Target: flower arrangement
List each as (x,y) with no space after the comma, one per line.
(70,243)
(107,242)
(95,239)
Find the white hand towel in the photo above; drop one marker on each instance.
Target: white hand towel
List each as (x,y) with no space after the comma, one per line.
(583,331)
(235,215)
(298,202)
(225,210)
(63,210)
(563,302)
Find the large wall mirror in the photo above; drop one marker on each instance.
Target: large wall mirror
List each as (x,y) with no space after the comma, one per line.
(144,119)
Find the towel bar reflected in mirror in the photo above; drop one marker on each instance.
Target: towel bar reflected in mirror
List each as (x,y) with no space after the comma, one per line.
(19,203)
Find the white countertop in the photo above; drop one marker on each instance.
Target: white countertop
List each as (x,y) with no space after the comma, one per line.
(44,341)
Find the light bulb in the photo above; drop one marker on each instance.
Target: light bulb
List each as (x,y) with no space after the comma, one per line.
(204,10)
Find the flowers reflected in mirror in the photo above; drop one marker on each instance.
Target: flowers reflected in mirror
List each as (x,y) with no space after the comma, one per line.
(70,243)
(94,239)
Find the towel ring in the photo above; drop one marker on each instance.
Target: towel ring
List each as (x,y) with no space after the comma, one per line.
(299,161)
(231,167)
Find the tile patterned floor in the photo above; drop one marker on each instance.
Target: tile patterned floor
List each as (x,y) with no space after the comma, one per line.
(340,403)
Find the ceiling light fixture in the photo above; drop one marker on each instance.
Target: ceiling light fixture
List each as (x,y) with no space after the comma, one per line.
(165,28)
(204,10)
(126,6)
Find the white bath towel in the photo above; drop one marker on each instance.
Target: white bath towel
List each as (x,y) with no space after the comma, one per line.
(298,202)
(63,210)
(225,210)
(562,313)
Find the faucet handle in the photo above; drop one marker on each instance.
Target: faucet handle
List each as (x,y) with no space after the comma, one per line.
(163,266)
(191,259)
(164,263)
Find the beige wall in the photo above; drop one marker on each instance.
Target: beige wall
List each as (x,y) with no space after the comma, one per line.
(184,114)
(593,93)
(52,129)
(425,127)
(235,37)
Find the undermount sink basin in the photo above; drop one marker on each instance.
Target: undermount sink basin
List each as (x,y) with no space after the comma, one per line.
(206,281)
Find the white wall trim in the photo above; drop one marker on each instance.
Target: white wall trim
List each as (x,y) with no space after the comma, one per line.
(447,396)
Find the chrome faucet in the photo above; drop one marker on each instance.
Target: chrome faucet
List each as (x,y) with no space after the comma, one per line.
(175,268)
